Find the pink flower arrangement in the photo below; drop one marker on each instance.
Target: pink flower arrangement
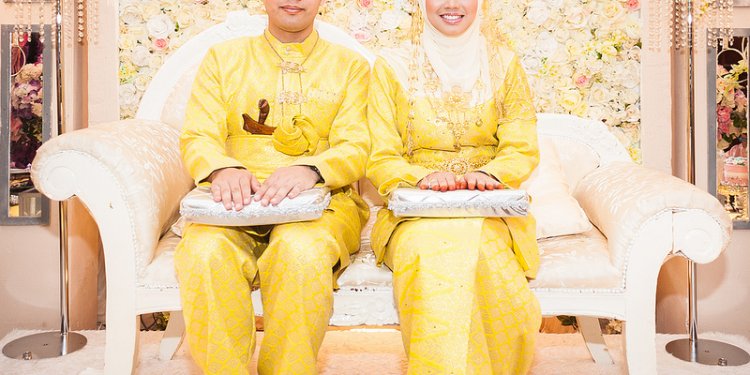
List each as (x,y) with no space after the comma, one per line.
(731,107)
(26,115)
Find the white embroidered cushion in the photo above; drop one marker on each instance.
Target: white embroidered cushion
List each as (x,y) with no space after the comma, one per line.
(557,213)
(406,202)
(198,206)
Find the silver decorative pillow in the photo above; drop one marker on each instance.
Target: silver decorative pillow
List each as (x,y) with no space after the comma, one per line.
(198,206)
(408,202)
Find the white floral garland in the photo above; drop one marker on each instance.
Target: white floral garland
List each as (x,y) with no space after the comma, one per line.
(582,56)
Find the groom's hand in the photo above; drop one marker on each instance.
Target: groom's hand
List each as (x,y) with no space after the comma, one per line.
(286,182)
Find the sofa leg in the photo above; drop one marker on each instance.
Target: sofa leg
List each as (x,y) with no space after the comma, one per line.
(173,336)
(640,344)
(121,349)
(592,335)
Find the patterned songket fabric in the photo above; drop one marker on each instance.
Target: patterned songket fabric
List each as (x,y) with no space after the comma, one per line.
(461,287)
(261,104)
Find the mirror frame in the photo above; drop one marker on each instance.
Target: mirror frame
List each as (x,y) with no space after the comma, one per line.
(48,60)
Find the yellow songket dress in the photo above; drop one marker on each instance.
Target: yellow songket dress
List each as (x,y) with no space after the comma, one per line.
(315,93)
(460,283)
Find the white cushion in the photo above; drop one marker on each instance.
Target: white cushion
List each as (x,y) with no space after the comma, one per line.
(557,213)
(579,261)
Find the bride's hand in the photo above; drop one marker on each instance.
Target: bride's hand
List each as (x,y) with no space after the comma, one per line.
(440,181)
(480,181)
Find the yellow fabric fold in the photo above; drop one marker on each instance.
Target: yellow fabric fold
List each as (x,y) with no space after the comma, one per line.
(297,137)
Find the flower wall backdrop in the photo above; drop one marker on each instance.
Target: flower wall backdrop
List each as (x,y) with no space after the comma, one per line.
(582,56)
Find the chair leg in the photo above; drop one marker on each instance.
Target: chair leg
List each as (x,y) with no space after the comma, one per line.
(173,336)
(121,349)
(592,334)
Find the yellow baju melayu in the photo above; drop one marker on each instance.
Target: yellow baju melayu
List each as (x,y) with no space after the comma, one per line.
(460,283)
(316,93)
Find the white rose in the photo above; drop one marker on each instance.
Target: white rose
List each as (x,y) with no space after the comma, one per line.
(531,63)
(599,94)
(155,62)
(128,95)
(149,9)
(611,10)
(555,4)
(537,12)
(126,42)
(391,19)
(160,27)
(594,65)
(140,55)
(142,80)
(576,17)
(546,44)
(630,96)
(570,99)
(358,21)
(185,18)
(562,35)
(130,15)
(633,113)
(139,33)
(630,74)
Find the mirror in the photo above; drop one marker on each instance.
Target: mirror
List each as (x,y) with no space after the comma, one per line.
(728,119)
(26,91)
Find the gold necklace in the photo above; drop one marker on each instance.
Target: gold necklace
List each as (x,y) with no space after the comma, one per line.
(292,97)
(453,108)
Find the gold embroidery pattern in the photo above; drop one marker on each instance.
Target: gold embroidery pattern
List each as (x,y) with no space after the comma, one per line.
(458,166)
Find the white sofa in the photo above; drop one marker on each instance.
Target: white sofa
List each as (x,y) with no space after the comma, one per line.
(129,175)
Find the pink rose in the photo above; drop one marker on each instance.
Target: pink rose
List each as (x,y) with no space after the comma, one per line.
(161,44)
(15,128)
(740,99)
(581,81)
(362,36)
(633,4)
(364,3)
(723,119)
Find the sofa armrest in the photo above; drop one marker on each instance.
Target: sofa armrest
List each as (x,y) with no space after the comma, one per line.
(127,173)
(621,198)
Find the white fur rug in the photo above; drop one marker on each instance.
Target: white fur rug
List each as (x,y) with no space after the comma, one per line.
(369,352)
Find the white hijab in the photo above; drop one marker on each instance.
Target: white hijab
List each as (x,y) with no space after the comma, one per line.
(457,60)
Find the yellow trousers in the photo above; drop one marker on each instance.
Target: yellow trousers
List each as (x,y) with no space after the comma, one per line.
(464,303)
(294,264)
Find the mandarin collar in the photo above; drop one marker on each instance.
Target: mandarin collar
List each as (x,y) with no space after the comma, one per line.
(293,49)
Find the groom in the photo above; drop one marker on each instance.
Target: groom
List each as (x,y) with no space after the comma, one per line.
(269,117)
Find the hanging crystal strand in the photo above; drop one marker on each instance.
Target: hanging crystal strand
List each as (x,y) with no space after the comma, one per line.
(81,20)
(679,24)
(41,21)
(726,29)
(92,14)
(712,23)
(16,21)
(29,5)
(654,25)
